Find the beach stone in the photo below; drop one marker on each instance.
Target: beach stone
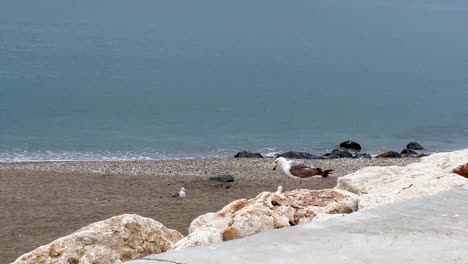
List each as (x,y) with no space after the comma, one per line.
(349,144)
(362,156)
(409,153)
(203,236)
(110,241)
(389,154)
(268,210)
(378,186)
(245,154)
(338,154)
(462,170)
(298,155)
(414,146)
(223,178)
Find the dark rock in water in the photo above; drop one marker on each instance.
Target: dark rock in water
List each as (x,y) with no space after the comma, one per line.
(413,154)
(408,153)
(298,155)
(389,154)
(223,178)
(350,145)
(414,146)
(362,156)
(245,154)
(338,154)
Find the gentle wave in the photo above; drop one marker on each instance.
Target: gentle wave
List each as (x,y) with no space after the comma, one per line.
(31,156)
(48,155)
(22,156)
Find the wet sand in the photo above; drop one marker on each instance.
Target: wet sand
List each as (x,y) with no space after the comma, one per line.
(42,201)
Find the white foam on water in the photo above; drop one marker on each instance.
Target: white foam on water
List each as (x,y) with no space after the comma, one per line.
(48,155)
(22,155)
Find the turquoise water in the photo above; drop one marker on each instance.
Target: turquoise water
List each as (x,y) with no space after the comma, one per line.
(151,79)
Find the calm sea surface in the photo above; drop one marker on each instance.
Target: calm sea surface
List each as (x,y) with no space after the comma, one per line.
(154,79)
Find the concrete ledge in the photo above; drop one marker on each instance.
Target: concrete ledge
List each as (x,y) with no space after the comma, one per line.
(426,230)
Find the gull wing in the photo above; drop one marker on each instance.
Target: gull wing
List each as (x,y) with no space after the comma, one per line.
(304,171)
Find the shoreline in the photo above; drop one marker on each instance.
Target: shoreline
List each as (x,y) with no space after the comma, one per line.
(272,157)
(191,167)
(42,201)
(118,157)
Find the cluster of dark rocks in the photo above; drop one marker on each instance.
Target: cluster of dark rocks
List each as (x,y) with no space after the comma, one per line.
(334,154)
(246,154)
(413,149)
(348,149)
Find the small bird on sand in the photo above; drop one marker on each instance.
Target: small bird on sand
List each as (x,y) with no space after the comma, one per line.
(181,194)
(300,171)
(280,190)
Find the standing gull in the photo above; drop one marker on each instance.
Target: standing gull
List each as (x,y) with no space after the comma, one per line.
(280,190)
(181,194)
(300,171)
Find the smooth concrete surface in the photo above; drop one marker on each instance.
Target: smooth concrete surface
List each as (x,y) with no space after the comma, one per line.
(426,230)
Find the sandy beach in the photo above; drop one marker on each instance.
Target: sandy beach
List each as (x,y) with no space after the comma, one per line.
(42,201)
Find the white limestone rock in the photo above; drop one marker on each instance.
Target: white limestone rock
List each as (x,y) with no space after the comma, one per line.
(447,161)
(267,211)
(200,237)
(110,241)
(383,185)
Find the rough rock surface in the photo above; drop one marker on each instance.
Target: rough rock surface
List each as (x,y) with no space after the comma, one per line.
(383,185)
(298,155)
(389,154)
(414,146)
(409,153)
(200,237)
(110,241)
(349,144)
(338,154)
(267,211)
(462,170)
(362,156)
(245,154)
(447,161)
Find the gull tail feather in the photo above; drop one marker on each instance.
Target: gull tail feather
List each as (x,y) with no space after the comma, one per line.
(326,173)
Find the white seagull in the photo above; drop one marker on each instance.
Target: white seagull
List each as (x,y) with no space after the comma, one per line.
(280,190)
(299,170)
(181,194)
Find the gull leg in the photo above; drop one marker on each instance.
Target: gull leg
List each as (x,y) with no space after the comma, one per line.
(291,186)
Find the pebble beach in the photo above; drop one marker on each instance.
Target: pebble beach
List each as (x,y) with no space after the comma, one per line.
(42,201)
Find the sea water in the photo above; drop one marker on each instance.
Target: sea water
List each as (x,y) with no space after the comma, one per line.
(154,79)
